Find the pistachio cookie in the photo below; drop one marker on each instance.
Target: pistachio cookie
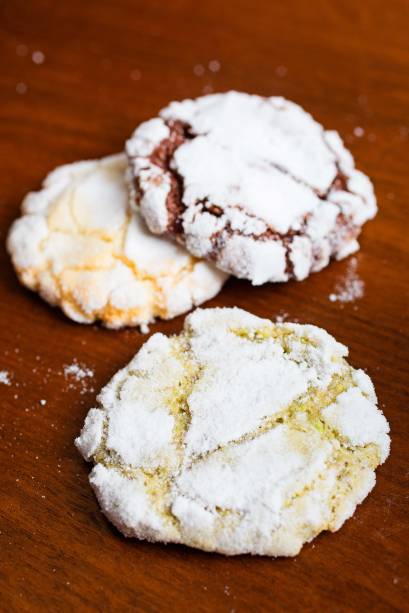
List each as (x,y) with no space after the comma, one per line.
(237,436)
(80,246)
(254,184)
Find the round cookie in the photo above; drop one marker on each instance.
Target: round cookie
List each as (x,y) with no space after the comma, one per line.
(81,248)
(253,184)
(237,436)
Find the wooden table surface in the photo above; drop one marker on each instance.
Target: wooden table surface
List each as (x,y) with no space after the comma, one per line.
(103,68)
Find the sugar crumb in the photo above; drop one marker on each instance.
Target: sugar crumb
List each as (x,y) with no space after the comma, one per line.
(214,65)
(198,70)
(21,50)
(21,88)
(38,57)
(78,373)
(359,132)
(135,74)
(5,377)
(351,287)
(281,71)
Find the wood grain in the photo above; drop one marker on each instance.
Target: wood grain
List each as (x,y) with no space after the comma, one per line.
(348,63)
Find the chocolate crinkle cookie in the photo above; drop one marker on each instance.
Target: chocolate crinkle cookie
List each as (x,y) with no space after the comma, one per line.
(254,184)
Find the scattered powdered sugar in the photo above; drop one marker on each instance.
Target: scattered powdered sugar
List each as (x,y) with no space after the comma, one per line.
(144,328)
(359,132)
(135,74)
(198,70)
(214,66)
(351,288)
(5,377)
(79,373)
(21,50)
(38,57)
(281,317)
(281,71)
(21,88)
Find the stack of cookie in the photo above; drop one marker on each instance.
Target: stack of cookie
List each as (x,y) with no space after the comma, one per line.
(239,435)
(249,186)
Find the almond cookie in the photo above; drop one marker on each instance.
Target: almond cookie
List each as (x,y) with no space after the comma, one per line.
(81,248)
(237,436)
(254,184)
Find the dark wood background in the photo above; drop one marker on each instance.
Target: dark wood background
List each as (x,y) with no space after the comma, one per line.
(107,66)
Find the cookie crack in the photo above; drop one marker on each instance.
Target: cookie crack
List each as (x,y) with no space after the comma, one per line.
(306,404)
(181,132)
(311,404)
(158,482)
(178,399)
(347,460)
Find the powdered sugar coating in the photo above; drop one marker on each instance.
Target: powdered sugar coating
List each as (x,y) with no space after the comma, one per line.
(261,188)
(80,247)
(238,435)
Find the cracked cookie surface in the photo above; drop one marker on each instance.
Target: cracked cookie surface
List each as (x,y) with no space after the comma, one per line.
(253,184)
(238,436)
(80,246)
